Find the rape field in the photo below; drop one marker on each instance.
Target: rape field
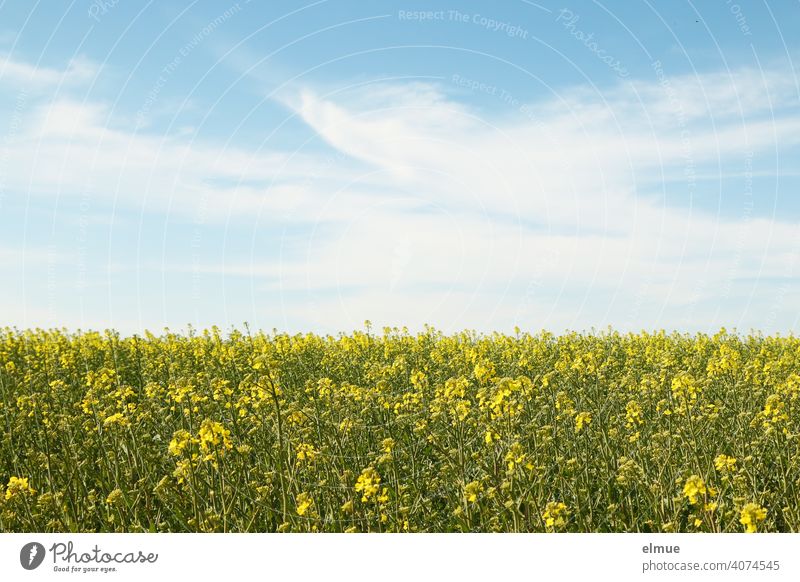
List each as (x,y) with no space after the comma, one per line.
(393,432)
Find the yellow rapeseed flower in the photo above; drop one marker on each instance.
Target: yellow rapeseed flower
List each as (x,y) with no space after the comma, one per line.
(472,490)
(384,496)
(18,486)
(368,484)
(418,380)
(306,452)
(303,503)
(694,488)
(685,388)
(213,436)
(725,464)
(582,419)
(633,414)
(515,456)
(484,371)
(180,440)
(555,515)
(752,514)
(117,418)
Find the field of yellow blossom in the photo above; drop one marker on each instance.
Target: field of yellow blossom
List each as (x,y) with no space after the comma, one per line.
(395,432)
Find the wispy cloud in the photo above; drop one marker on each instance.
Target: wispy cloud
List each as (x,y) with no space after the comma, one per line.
(425,209)
(508,195)
(31,76)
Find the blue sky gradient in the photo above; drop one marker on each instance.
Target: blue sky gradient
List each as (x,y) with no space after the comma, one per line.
(309,166)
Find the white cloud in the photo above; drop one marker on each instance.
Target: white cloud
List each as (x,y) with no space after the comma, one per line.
(70,150)
(428,211)
(574,174)
(30,76)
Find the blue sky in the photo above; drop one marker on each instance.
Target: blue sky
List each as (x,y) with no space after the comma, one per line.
(309,166)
